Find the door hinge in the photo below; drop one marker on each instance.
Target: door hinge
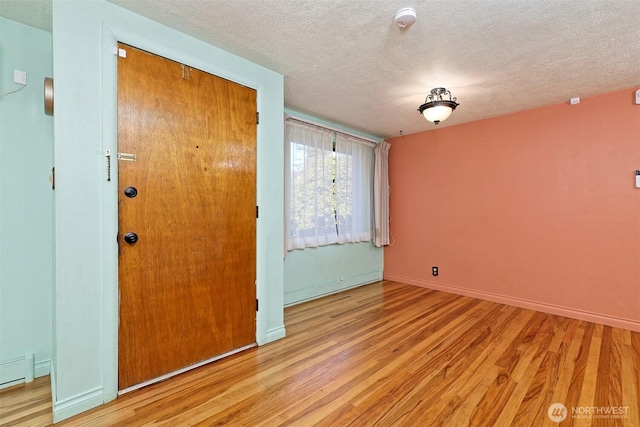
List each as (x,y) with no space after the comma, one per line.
(257,211)
(257,305)
(257,118)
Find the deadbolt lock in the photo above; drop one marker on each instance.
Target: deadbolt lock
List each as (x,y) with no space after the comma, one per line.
(131,238)
(130,192)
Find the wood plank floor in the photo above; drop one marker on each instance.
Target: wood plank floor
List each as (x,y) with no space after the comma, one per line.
(389,354)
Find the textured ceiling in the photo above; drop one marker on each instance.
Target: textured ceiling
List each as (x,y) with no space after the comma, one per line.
(346,61)
(36,13)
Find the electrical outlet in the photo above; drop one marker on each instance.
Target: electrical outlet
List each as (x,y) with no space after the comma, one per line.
(638,97)
(434,271)
(20,77)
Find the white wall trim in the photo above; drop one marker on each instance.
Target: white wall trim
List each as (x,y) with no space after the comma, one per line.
(110,218)
(43,368)
(67,408)
(274,334)
(572,313)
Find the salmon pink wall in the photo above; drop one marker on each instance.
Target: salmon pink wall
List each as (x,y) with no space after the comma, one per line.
(536,209)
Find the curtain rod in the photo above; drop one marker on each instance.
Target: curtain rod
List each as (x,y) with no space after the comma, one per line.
(309,122)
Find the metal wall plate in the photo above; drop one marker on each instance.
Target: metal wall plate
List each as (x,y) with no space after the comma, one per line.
(127,156)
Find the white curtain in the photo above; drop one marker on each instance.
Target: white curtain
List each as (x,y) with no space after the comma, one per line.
(381,191)
(328,192)
(309,187)
(353,186)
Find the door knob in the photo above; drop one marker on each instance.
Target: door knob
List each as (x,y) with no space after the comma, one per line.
(130,192)
(131,238)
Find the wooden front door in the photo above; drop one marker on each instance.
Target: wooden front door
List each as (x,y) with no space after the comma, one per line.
(186,216)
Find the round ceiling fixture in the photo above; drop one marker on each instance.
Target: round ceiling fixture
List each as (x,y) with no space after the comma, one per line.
(405,17)
(437,107)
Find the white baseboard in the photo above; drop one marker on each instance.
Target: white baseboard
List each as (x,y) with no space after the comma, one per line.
(275,334)
(77,404)
(67,408)
(570,312)
(43,367)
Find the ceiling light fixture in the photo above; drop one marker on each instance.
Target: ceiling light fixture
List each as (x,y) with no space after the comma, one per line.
(436,108)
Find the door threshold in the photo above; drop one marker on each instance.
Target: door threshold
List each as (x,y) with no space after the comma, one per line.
(188,368)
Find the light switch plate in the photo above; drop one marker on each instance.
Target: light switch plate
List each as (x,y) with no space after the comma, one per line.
(20,77)
(638,97)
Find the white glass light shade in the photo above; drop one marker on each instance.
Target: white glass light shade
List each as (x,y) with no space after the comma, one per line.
(437,113)
(436,107)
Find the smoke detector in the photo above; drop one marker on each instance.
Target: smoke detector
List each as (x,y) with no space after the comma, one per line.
(405,17)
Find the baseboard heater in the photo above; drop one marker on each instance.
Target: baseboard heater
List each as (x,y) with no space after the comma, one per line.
(17,371)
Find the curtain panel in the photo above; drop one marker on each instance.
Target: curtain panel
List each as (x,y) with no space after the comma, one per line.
(353,187)
(311,218)
(381,194)
(328,187)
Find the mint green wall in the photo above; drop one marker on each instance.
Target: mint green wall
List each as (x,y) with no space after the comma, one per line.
(26,230)
(85,303)
(314,272)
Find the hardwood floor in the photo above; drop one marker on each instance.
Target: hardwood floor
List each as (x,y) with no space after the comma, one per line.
(389,354)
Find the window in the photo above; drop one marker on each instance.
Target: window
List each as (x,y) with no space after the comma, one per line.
(328,187)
